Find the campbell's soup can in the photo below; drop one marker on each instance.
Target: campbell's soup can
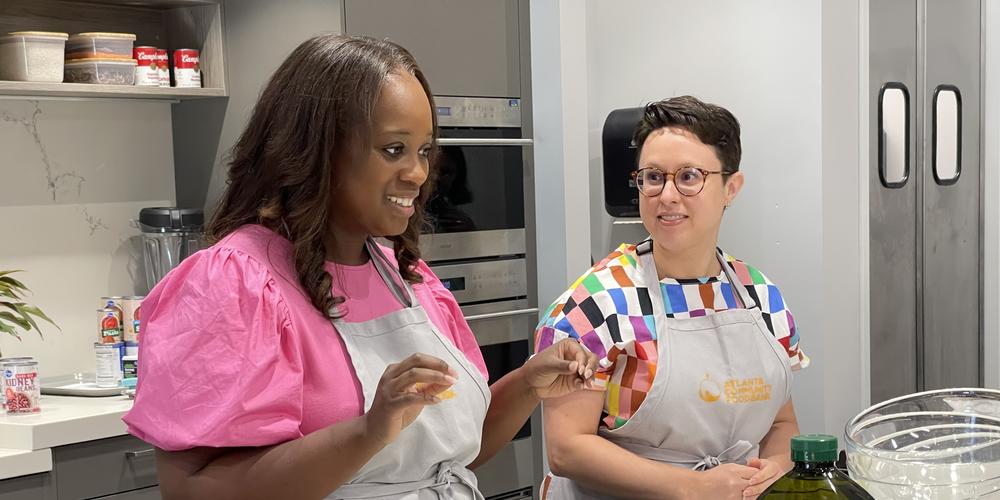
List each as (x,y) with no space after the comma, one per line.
(163,66)
(131,314)
(21,388)
(147,69)
(187,69)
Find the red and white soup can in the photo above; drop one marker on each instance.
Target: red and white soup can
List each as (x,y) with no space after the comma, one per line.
(147,69)
(163,66)
(187,68)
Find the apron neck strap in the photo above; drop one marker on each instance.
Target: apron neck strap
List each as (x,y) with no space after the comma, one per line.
(739,289)
(390,275)
(647,269)
(652,278)
(645,247)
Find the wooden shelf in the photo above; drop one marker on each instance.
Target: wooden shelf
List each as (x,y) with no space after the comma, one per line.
(28,90)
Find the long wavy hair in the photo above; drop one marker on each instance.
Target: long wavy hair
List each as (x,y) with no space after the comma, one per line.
(314,114)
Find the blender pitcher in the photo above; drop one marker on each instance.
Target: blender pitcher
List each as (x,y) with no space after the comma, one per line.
(169,235)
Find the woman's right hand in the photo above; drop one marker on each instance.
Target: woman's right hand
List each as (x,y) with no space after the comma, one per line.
(398,402)
(725,482)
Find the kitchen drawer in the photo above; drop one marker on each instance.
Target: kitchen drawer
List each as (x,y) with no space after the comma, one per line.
(31,487)
(143,494)
(103,467)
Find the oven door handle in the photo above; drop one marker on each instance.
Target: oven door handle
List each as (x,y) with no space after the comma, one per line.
(502,314)
(462,141)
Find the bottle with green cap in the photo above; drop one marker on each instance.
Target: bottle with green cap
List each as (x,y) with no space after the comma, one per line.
(815,474)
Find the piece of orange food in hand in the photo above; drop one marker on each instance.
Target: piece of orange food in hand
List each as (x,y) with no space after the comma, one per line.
(445,394)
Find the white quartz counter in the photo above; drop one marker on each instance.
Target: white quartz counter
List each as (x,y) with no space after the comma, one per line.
(14,463)
(25,440)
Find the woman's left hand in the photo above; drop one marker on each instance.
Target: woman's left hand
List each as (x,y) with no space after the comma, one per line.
(560,369)
(770,471)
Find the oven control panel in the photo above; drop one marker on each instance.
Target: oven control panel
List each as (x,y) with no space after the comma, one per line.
(478,111)
(484,281)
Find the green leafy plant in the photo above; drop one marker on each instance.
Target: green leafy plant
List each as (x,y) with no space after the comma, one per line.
(15,314)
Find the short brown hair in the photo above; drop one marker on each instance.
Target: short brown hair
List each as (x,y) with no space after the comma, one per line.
(713,125)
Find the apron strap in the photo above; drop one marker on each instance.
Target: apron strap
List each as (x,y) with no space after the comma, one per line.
(736,453)
(650,278)
(644,247)
(447,474)
(739,289)
(390,274)
(645,252)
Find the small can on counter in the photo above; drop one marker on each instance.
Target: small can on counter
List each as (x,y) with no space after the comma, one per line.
(108,366)
(3,390)
(113,304)
(163,67)
(187,69)
(131,314)
(130,366)
(147,69)
(21,387)
(109,326)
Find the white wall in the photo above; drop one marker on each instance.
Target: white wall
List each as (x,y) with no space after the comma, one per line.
(72,174)
(761,60)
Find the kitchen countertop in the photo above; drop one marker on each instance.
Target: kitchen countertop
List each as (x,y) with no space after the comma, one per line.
(25,440)
(15,463)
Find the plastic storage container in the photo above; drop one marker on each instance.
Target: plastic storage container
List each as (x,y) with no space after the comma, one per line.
(100,45)
(934,444)
(104,71)
(32,56)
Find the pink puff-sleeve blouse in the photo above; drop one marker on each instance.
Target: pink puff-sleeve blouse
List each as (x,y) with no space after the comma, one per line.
(233,353)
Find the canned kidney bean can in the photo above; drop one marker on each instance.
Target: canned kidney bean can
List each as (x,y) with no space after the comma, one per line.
(147,69)
(108,364)
(131,313)
(3,392)
(21,387)
(187,68)
(163,67)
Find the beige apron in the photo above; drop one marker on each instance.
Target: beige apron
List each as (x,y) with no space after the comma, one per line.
(721,380)
(428,459)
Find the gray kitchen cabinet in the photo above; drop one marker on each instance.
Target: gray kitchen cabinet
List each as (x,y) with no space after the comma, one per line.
(120,468)
(31,487)
(465,47)
(103,467)
(143,494)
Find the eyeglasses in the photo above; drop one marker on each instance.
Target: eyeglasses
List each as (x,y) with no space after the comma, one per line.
(689,181)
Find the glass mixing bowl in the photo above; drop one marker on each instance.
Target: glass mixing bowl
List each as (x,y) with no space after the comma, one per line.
(929,445)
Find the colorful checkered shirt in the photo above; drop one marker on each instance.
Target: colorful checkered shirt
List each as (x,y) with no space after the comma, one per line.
(613,318)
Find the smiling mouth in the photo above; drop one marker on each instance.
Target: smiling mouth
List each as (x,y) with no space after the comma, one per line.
(671,217)
(403,202)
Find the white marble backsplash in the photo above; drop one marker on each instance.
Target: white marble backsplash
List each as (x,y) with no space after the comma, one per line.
(72,176)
